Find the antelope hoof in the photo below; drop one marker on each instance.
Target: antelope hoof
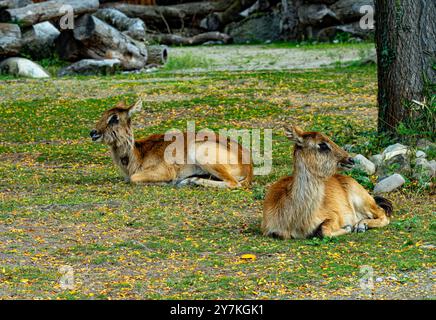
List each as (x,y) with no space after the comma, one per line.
(188,182)
(348,228)
(360,227)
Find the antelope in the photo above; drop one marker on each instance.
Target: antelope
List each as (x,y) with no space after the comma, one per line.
(144,160)
(316,201)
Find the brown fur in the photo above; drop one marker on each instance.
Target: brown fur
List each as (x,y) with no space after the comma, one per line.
(316,199)
(143,160)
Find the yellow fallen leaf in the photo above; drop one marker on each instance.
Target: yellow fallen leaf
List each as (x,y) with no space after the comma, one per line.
(248,256)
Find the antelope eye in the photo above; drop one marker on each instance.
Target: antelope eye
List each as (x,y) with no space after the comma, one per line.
(113,119)
(323,147)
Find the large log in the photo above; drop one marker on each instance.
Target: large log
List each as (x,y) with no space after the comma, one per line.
(10,39)
(99,40)
(316,14)
(133,27)
(349,10)
(91,67)
(175,15)
(44,11)
(38,42)
(13,4)
(217,20)
(173,39)
(354,29)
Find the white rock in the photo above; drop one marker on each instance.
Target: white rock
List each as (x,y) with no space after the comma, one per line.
(420,154)
(364,164)
(377,159)
(23,68)
(389,184)
(394,150)
(379,279)
(424,169)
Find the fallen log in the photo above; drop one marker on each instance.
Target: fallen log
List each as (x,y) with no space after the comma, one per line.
(91,67)
(38,42)
(316,14)
(157,54)
(354,29)
(10,40)
(99,40)
(13,4)
(217,20)
(133,27)
(44,11)
(174,15)
(350,10)
(173,39)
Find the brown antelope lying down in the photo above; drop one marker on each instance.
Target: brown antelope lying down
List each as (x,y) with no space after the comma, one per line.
(144,160)
(316,201)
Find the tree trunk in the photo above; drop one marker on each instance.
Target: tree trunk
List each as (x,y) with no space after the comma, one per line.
(40,12)
(10,40)
(406,50)
(133,27)
(101,41)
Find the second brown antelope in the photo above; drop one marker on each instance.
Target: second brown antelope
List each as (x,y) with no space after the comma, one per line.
(144,160)
(316,201)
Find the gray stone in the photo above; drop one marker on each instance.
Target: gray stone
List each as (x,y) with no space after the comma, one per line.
(399,163)
(22,67)
(377,159)
(364,164)
(91,67)
(420,154)
(424,170)
(389,184)
(394,150)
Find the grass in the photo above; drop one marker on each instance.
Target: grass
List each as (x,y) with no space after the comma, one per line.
(187,61)
(64,203)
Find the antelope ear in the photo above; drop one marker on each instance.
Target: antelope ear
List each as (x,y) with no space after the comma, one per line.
(121,104)
(135,108)
(294,134)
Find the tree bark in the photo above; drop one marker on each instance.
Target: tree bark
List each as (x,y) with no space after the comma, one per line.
(10,40)
(173,39)
(40,12)
(133,27)
(406,50)
(101,41)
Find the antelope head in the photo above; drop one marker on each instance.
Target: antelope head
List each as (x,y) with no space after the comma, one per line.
(319,155)
(114,126)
